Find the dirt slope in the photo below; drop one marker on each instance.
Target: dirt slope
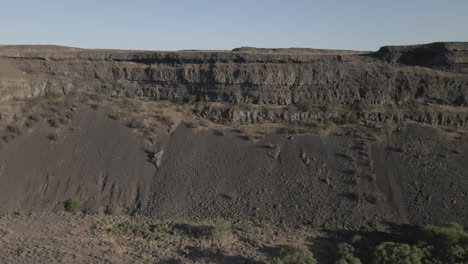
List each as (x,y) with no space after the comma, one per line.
(96,160)
(344,177)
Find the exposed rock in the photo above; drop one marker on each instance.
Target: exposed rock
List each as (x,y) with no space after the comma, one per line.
(158,158)
(448,56)
(251,76)
(455,117)
(305,159)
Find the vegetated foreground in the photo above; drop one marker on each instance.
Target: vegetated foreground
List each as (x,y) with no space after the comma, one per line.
(85,238)
(195,170)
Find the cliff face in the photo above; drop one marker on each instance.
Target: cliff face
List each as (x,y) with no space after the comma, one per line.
(454,117)
(263,76)
(448,56)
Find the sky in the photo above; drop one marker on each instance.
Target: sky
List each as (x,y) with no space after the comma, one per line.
(211,24)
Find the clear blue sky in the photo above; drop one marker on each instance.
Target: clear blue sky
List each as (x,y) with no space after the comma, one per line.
(218,24)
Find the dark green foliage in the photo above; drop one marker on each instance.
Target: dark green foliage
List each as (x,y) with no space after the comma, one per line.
(430,244)
(449,242)
(397,253)
(294,255)
(346,254)
(375,226)
(71,206)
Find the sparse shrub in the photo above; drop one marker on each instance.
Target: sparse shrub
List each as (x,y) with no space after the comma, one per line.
(294,255)
(193,231)
(289,130)
(325,107)
(246,227)
(346,254)
(218,132)
(53,123)
(71,206)
(221,228)
(114,210)
(389,126)
(310,123)
(398,253)
(204,123)
(183,100)
(328,125)
(190,124)
(375,226)
(135,123)
(191,99)
(33,118)
(346,120)
(128,105)
(116,115)
(177,100)
(14,130)
(52,136)
(17,214)
(306,107)
(315,225)
(356,239)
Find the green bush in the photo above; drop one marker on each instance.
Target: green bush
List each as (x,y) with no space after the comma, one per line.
(346,254)
(449,242)
(191,99)
(315,224)
(177,100)
(398,253)
(446,235)
(430,244)
(184,100)
(375,226)
(71,206)
(325,107)
(221,228)
(389,126)
(306,107)
(294,255)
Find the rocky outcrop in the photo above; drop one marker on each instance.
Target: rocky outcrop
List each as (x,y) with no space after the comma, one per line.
(236,116)
(259,76)
(448,56)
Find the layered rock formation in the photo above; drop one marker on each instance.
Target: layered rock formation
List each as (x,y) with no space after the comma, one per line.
(452,117)
(260,76)
(448,56)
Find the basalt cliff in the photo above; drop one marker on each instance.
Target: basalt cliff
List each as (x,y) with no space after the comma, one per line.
(433,73)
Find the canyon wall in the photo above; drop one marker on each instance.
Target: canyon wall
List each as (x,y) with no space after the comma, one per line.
(393,75)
